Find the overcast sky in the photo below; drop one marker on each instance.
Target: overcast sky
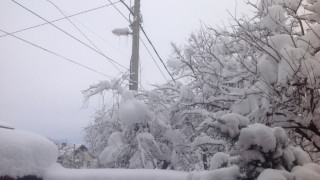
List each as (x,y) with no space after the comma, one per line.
(40,92)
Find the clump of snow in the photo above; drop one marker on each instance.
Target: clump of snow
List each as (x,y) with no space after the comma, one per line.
(268,68)
(301,156)
(110,154)
(231,123)
(310,171)
(314,7)
(291,4)
(121,31)
(115,139)
(289,63)
(257,135)
(174,65)
(188,52)
(252,155)
(311,40)
(297,60)
(186,93)
(147,150)
(25,153)
(273,174)
(133,111)
(219,160)
(281,137)
(274,18)
(102,86)
(276,43)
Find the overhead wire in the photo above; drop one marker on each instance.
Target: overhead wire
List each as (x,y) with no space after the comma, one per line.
(74,25)
(113,62)
(72,16)
(120,12)
(157,53)
(56,20)
(102,38)
(144,44)
(64,14)
(145,34)
(56,54)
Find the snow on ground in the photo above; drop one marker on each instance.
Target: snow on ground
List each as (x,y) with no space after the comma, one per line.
(23,153)
(56,172)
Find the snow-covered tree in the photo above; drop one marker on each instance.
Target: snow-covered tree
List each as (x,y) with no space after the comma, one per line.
(241,93)
(137,134)
(266,68)
(284,44)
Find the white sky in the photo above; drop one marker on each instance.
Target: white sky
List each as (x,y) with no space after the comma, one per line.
(41,92)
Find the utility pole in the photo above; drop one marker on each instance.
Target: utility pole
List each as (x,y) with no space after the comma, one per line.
(134,62)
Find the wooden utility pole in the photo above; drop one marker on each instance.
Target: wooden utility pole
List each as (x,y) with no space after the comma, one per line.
(134,62)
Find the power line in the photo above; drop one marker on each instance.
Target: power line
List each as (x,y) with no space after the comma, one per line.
(110,60)
(157,53)
(144,44)
(83,12)
(73,24)
(56,54)
(64,14)
(120,12)
(145,34)
(71,16)
(100,37)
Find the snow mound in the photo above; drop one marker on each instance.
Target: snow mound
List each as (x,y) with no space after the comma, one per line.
(24,153)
